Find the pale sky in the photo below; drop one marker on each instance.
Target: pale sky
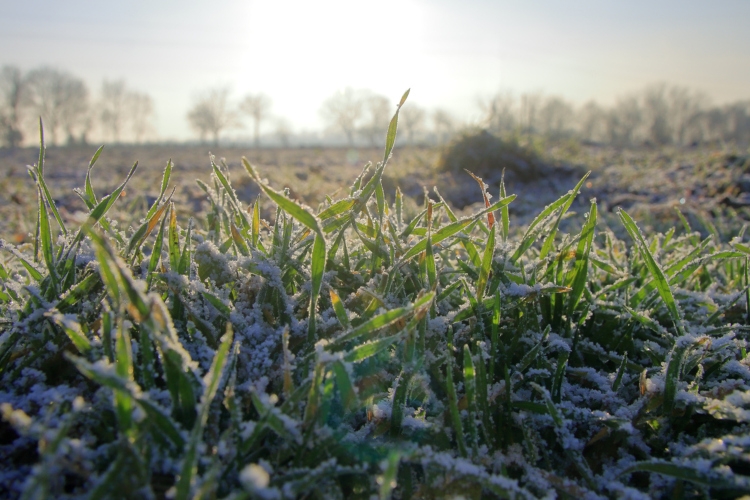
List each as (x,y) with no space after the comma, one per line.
(450,53)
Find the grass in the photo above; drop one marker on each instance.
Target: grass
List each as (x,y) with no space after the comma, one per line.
(351,351)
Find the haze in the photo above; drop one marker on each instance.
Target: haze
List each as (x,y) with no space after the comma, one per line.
(449,53)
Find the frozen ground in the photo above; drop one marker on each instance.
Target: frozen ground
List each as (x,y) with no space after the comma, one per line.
(703,183)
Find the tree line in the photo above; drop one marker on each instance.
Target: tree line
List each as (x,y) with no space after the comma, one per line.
(657,115)
(69,110)
(357,115)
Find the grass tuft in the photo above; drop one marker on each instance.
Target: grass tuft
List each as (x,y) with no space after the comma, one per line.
(352,351)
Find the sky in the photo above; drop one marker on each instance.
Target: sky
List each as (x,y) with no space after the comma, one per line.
(450,53)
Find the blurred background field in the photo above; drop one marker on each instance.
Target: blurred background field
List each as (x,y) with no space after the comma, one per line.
(710,185)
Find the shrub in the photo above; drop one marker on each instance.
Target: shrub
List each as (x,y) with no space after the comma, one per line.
(487,155)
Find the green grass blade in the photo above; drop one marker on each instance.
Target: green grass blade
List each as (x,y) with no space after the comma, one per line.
(470,386)
(155,253)
(185,257)
(189,464)
(387,481)
(380,199)
(103,206)
(484,271)
(412,225)
(124,370)
(620,373)
(400,392)
(30,268)
(437,237)
(239,241)
(562,362)
(42,147)
(232,197)
(659,277)
(164,184)
(173,240)
(447,291)
(318,267)
(145,229)
(46,242)
(337,208)
(256,222)
(175,362)
(292,208)
(530,356)
(314,395)
(467,244)
(547,246)
(430,263)
(346,387)
(399,204)
(72,329)
(107,268)
(494,336)
(51,202)
(580,270)
(87,183)
(683,472)
(392,127)
(532,232)
(84,287)
(504,215)
(382,320)
(164,424)
(338,308)
(458,430)
(364,351)
(674,370)
(686,225)
(375,249)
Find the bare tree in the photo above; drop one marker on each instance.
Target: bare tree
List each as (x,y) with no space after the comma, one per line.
(624,120)
(258,107)
(738,118)
(656,113)
(58,97)
(499,112)
(379,114)
(113,108)
(444,125)
(210,114)
(592,122)
(530,105)
(75,118)
(343,111)
(11,92)
(555,117)
(729,123)
(411,120)
(684,105)
(141,111)
(715,125)
(283,131)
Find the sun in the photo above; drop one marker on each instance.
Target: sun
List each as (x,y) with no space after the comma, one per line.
(326,45)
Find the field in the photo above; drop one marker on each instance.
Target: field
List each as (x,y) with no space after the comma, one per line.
(709,180)
(572,335)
